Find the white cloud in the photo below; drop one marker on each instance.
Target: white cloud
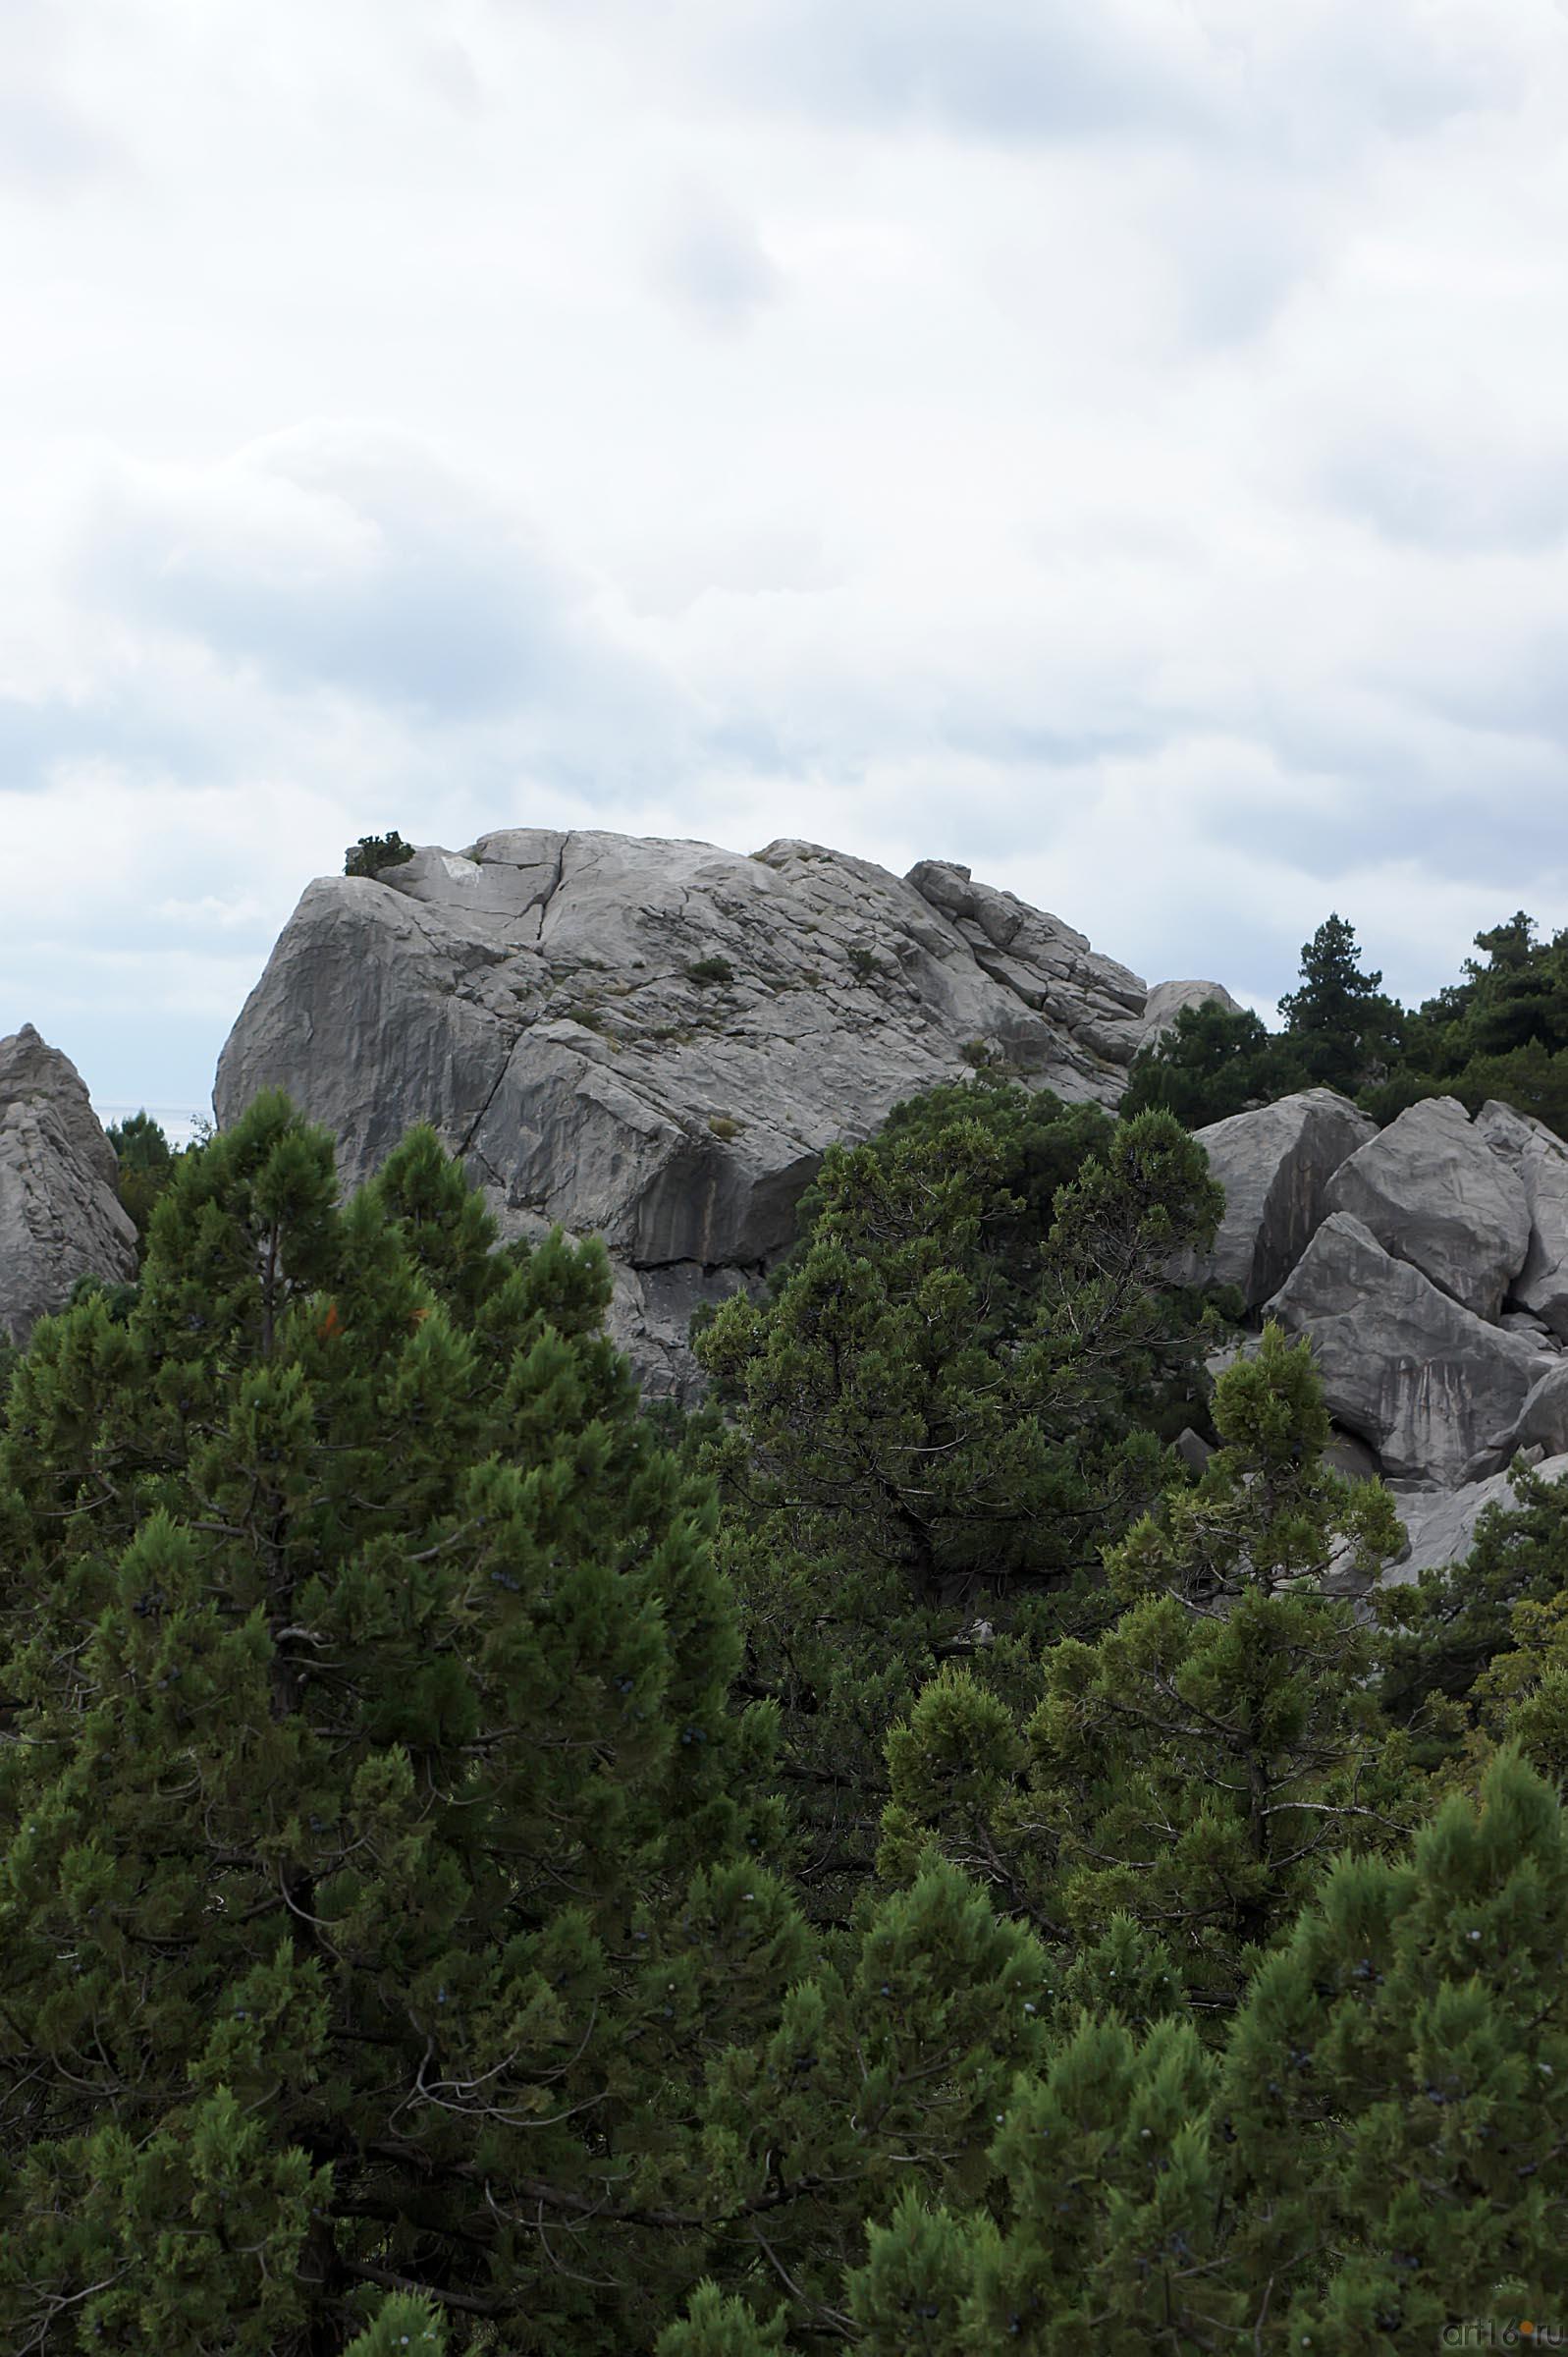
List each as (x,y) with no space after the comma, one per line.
(1120,448)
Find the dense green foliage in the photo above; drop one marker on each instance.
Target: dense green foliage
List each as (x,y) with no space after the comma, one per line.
(894,1861)
(147,1163)
(373,1870)
(373,853)
(1502,1031)
(947,1405)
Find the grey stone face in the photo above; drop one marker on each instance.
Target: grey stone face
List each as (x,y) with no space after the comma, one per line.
(654,1041)
(1541,1163)
(1435,1391)
(1434,1193)
(1166,1000)
(1441,1523)
(1544,1418)
(61,1216)
(1274,1165)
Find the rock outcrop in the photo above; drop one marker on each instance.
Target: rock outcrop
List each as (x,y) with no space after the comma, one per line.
(61,1216)
(1167,1000)
(1427,1263)
(1441,1523)
(1433,1192)
(1543,1421)
(1435,1390)
(1541,1162)
(656,1040)
(1276,1165)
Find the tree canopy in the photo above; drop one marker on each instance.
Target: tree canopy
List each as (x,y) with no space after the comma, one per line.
(1501,1032)
(893,1860)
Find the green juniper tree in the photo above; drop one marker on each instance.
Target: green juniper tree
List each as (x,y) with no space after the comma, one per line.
(890,2063)
(374,852)
(373,1875)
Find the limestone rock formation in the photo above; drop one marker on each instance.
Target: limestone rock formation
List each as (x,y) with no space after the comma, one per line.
(656,1040)
(1433,1192)
(1276,1165)
(1543,1419)
(1441,1523)
(61,1216)
(1540,1160)
(1427,1263)
(1435,1389)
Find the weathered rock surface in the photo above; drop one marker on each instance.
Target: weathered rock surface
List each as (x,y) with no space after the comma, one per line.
(1433,1192)
(1435,1390)
(1441,1523)
(1541,1162)
(1167,1000)
(1276,1165)
(1544,1418)
(656,1040)
(61,1216)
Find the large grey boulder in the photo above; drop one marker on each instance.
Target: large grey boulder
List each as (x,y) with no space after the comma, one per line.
(1432,1191)
(61,1216)
(1276,1165)
(1441,1523)
(656,1040)
(1435,1390)
(1544,1418)
(1168,999)
(1539,1161)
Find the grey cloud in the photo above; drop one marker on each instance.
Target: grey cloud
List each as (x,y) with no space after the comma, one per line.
(354,560)
(710,260)
(141,730)
(449,70)
(49,145)
(1289,84)
(1469,489)
(1003,69)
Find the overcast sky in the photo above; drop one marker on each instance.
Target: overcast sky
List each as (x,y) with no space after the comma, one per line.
(1121,446)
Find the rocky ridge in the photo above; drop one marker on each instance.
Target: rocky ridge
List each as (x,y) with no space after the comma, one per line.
(61,1216)
(654,1041)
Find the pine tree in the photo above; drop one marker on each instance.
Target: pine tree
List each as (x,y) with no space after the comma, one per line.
(1339,1028)
(146,1162)
(1397,2087)
(1191,1766)
(1446,1628)
(890,2067)
(937,1413)
(1212,1063)
(374,1879)
(1373,2161)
